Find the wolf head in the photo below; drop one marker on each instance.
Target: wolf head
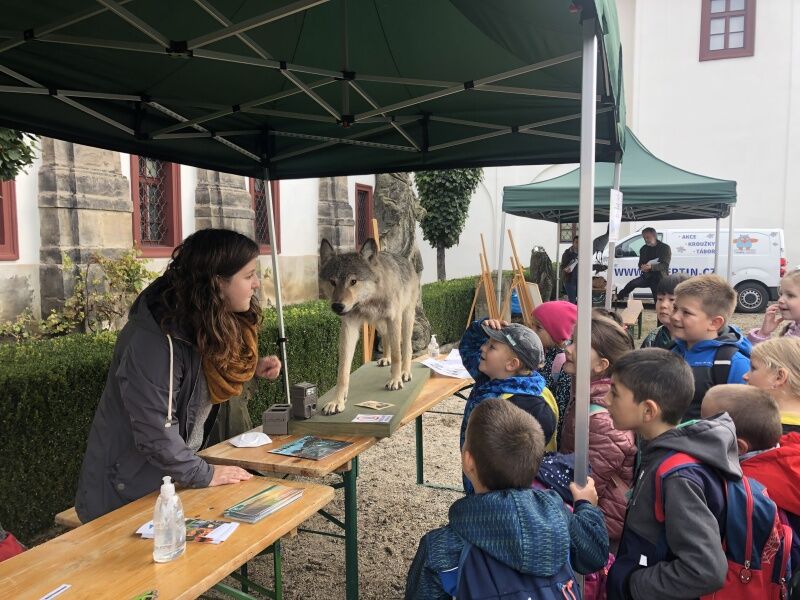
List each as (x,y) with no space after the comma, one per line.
(347,279)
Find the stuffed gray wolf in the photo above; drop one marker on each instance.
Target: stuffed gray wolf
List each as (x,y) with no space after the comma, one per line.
(376,287)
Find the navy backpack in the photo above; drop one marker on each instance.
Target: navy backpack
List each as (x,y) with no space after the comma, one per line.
(480,576)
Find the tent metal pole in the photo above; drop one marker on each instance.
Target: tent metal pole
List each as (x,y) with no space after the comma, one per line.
(716,248)
(612,245)
(276,278)
(501,242)
(558,258)
(586,218)
(730,247)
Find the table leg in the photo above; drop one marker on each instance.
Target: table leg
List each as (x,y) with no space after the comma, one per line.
(351,532)
(243,572)
(278,570)
(420,451)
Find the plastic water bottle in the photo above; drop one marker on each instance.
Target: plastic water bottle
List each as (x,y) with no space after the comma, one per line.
(433,348)
(168,524)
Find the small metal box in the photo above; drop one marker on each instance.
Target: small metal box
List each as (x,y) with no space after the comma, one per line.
(276,419)
(304,400)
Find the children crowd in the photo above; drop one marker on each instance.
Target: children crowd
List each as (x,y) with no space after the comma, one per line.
(694,458)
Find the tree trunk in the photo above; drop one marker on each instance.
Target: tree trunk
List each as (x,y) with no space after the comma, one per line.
(440,274)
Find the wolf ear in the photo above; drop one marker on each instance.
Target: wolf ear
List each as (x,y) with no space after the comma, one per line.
(326,251)
(369,249)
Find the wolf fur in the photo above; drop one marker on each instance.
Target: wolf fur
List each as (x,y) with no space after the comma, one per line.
(376,287)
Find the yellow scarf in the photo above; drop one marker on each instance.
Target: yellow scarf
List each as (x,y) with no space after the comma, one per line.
(225,385)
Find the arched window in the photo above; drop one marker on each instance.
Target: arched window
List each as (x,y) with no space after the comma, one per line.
(155,190)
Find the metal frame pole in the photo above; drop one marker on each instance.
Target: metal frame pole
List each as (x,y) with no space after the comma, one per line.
(501,244)
(351,531)
(586,218)
(612,245)
(276,278)
(558,258)
(716,248)
(730,247)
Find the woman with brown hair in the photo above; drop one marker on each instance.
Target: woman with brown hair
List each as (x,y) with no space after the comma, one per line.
(190,345)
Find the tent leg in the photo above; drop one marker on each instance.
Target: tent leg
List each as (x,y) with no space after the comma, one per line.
(716,248)
(276,278)
(558,258)
(730,247)
(501,245)
(612,245)
(586,218)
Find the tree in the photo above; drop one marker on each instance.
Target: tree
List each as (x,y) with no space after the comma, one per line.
(17,151)
(445,196)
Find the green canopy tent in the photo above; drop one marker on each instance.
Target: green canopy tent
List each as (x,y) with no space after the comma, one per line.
(280,89)
(652,189)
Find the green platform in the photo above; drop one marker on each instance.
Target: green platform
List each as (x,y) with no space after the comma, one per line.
(366,383)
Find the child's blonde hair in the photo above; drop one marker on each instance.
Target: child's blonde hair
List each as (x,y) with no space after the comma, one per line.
(781,353)
(609,340)
(716,296)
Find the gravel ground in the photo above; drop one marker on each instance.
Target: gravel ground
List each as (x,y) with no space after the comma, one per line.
(393,511)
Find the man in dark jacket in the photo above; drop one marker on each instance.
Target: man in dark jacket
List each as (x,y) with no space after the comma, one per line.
(569,271)
(654,259)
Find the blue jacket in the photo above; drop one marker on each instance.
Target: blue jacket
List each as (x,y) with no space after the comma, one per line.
(526,388)
(532,531)
(700,358)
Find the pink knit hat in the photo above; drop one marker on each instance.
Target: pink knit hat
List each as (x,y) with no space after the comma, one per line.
(558,318)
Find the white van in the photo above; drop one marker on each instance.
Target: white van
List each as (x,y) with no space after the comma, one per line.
(758,261)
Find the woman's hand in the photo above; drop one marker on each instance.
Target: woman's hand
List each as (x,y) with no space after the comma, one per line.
(224,475)
(268,367)
(772,318)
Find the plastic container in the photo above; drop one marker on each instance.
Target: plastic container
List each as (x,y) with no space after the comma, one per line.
(169,540)
(433,348)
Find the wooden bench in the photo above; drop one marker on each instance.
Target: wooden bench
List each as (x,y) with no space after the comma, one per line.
(632,315)
(68,518)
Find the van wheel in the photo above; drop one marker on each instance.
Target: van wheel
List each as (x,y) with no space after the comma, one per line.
(751,297)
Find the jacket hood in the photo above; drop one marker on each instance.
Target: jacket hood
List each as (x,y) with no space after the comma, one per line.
(779,471)
(525,529)
(598,392)
(146,309)
(729,336)
(711,441)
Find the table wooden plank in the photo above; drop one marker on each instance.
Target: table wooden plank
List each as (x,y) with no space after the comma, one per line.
(106,559)
(437,389)
(260,459)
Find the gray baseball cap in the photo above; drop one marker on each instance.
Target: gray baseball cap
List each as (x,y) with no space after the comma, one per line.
(523,341)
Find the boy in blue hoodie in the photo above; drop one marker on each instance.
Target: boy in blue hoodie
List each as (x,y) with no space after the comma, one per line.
(529,530)
(717,352)
(678,556)
(503,359)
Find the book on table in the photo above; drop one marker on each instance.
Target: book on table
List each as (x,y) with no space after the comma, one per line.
(311,447)
(263,504)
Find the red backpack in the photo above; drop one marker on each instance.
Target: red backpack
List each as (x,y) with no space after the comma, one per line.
(756,544)
(9,546)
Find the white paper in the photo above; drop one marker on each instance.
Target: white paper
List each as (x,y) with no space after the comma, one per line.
(655,261)
(451,366)
(217,536)
(372,418)
(571,266)
(251,439)
(614,216)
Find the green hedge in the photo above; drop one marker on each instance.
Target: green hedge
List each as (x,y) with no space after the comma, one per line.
(447,305)
(49,390)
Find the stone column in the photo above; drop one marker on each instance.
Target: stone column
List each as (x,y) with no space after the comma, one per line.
(335,220)
(84,208)
(222,200)
(397,210)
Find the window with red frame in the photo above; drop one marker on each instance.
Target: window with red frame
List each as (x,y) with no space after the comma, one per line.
(9,249)
(258,193)
(363,214)
(155,190)
(727,29)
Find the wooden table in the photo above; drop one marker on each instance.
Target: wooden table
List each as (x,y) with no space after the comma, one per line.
(344,462)
(106,559)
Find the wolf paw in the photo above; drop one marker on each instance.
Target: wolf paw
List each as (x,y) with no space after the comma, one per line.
(384,362)
(394,384)
(406,376)
(333,407)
